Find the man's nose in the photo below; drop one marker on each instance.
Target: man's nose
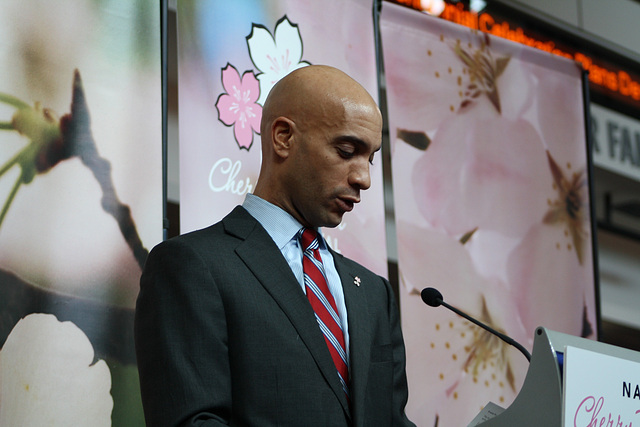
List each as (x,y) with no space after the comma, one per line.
(360,176)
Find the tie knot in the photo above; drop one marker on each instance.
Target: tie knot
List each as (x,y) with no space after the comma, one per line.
(309,239)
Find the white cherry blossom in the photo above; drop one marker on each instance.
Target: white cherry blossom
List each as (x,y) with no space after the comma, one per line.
(275,56)
(48,376)
(465,366)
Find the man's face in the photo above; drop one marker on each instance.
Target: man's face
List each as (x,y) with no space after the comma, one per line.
(332,156)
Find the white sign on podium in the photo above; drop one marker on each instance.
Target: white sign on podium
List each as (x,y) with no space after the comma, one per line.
(600,390)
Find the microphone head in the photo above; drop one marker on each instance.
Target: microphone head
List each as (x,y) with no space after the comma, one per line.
(431,297)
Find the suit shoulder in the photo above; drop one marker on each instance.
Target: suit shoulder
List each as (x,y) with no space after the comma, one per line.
(193,238)
(236,225)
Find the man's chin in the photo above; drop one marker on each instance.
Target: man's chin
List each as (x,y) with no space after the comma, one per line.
(333,222)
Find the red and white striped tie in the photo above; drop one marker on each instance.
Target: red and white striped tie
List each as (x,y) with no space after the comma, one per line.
(324,304)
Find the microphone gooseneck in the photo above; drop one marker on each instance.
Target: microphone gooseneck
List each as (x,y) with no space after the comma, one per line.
(432,297)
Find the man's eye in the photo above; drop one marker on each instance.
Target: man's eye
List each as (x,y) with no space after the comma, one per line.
(346,153)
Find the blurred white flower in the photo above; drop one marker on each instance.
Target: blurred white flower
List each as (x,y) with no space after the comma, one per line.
(48,376)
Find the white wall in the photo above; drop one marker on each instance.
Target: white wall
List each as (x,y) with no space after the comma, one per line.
(613,20)
(564,10)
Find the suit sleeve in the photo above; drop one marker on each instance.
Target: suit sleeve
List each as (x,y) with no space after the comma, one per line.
(181,342)
(400,392)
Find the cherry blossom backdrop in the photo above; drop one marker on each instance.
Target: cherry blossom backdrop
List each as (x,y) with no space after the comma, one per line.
(81,204)
(492,207)
(230,55)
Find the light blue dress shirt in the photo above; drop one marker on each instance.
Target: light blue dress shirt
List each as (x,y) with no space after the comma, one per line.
(283,229)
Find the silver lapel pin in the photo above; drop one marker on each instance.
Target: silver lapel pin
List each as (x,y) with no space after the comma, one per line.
(356,281)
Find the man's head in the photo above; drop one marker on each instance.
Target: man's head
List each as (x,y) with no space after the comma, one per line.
(320,130)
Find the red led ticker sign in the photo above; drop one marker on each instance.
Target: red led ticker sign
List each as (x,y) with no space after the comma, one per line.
(610,79)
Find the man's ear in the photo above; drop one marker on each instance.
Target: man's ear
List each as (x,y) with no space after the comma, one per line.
(282,131)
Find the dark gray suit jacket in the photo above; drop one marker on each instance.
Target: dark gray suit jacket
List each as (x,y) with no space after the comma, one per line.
(225,336)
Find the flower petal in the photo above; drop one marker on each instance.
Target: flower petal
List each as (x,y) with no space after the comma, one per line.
(243,132)
(474,159)
(275,56)
(289,44)
(254,115)
(231,79)
(49,378)
(251,85)
(549,246)
(225,106)
(262,48)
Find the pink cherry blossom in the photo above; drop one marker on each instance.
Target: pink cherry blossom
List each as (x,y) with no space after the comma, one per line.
(483,171)
(464,366)
(237,107)
(566,304)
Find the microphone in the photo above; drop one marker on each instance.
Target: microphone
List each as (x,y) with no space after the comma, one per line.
(432,297)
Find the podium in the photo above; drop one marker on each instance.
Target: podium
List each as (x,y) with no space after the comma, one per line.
(542,399)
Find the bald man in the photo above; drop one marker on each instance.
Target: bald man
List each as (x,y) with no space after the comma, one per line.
(226,329)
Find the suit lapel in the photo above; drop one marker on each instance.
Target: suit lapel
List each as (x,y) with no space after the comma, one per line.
(263,258)
(360,337)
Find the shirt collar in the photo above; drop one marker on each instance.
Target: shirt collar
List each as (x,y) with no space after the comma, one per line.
(280,225)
